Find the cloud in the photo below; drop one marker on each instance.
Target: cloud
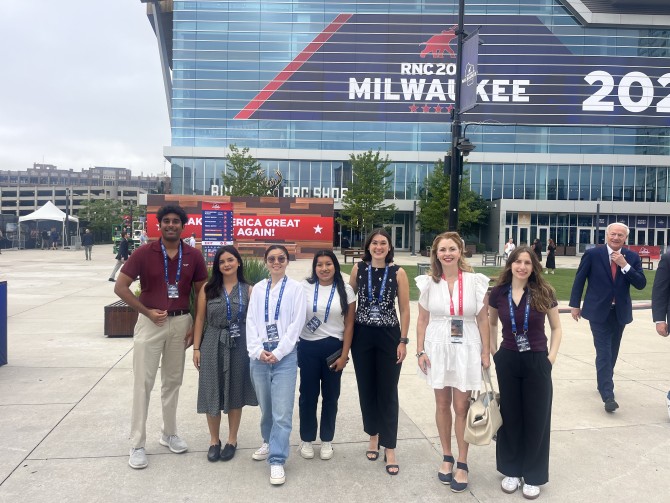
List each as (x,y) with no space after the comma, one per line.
(81,86)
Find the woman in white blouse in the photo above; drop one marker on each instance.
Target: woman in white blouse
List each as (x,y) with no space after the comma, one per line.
(331,306)
(275,318)
(453,344)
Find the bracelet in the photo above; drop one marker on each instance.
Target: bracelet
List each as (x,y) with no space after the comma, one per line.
(420,354)
(196,349)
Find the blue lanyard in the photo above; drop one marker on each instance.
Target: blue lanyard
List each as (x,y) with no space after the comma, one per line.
(267,299)
(511,311)
(165,263)
(229,311)
(330,299)
(381,289)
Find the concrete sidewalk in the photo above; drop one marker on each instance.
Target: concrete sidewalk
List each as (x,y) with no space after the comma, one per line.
(65,400)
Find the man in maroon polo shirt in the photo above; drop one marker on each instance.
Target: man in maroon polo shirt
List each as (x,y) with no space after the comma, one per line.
(168,270)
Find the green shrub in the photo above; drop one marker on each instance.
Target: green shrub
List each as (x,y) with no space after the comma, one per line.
(254,270)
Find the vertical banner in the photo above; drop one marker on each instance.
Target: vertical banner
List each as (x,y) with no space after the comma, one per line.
(217,227)
(469,62)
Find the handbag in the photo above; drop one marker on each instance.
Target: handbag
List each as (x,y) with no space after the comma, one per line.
(483,419)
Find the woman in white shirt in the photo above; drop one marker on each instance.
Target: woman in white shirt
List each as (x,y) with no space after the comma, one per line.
(331,306)
(275,318)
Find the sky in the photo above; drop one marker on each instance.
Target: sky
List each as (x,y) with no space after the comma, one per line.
(81,86)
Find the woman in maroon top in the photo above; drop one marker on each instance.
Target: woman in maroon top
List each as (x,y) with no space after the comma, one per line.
(522,299)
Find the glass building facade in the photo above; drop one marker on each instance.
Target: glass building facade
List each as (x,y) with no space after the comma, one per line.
(566,111)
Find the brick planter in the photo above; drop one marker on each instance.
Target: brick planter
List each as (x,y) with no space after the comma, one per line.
(120,320)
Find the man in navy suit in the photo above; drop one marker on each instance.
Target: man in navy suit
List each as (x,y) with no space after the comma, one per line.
(660,300)
(610,271)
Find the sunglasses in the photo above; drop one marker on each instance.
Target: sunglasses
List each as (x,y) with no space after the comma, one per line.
(281,259)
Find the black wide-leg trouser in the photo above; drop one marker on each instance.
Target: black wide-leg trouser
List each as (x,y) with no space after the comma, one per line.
(374,351)
(522,447)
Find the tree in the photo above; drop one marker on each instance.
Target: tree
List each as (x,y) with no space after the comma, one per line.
(362,204)
(434,204)
(246,177)
(103,214)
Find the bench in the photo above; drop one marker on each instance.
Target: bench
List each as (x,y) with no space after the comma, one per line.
(120,320)
(647,263)
(354,253)
(490,259)
(423,268)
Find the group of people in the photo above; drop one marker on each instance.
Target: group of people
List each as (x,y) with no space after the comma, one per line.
(550,266)
(250,340)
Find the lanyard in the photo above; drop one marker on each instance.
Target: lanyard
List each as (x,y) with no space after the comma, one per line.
(511,311)
(460,295)
(267,299)
(381,289)
(330,299)
(229,311)
(165,263)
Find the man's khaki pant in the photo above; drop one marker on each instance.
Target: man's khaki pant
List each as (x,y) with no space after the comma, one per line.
(154,345)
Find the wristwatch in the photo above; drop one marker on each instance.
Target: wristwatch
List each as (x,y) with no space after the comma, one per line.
(404,340)
(420,354)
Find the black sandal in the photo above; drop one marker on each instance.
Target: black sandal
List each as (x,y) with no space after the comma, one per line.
(446,478)
(373,455)
(456,486)
(389,467)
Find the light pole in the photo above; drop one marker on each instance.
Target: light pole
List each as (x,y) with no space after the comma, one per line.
(456,164)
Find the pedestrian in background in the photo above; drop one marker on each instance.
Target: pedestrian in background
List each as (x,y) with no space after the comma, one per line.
(121,256)
(87,243)
(191,240)
(537,249)
(551,257)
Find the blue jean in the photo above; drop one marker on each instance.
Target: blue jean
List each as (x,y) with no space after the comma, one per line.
(275,390)
(606,339)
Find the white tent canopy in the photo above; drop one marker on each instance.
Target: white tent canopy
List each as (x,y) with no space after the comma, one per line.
(49,211)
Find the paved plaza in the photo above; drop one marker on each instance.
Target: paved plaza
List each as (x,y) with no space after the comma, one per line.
(65,400)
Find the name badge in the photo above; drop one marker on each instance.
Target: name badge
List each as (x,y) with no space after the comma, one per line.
(313,324)
(234,330)
(456,331)
(375,313)
(522,342)
(270,346)
(273,333)
(173,291)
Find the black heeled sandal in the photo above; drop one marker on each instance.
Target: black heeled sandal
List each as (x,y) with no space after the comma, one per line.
(456,486)
(446,478)
(390,467)
(373,455)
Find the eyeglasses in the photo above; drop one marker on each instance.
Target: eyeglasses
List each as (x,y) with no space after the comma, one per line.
(281,259)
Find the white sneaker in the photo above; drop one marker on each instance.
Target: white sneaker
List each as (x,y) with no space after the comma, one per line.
(174,443)
(326,450)
(546,271)
(262,452)
(530,492)
(510,484)
(138,458)
(277,475)
(306,450)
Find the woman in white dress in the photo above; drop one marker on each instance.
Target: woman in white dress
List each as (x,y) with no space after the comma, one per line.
(452,345)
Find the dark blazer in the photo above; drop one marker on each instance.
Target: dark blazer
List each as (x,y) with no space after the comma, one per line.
(660,292)
(595,266)
(123,250)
